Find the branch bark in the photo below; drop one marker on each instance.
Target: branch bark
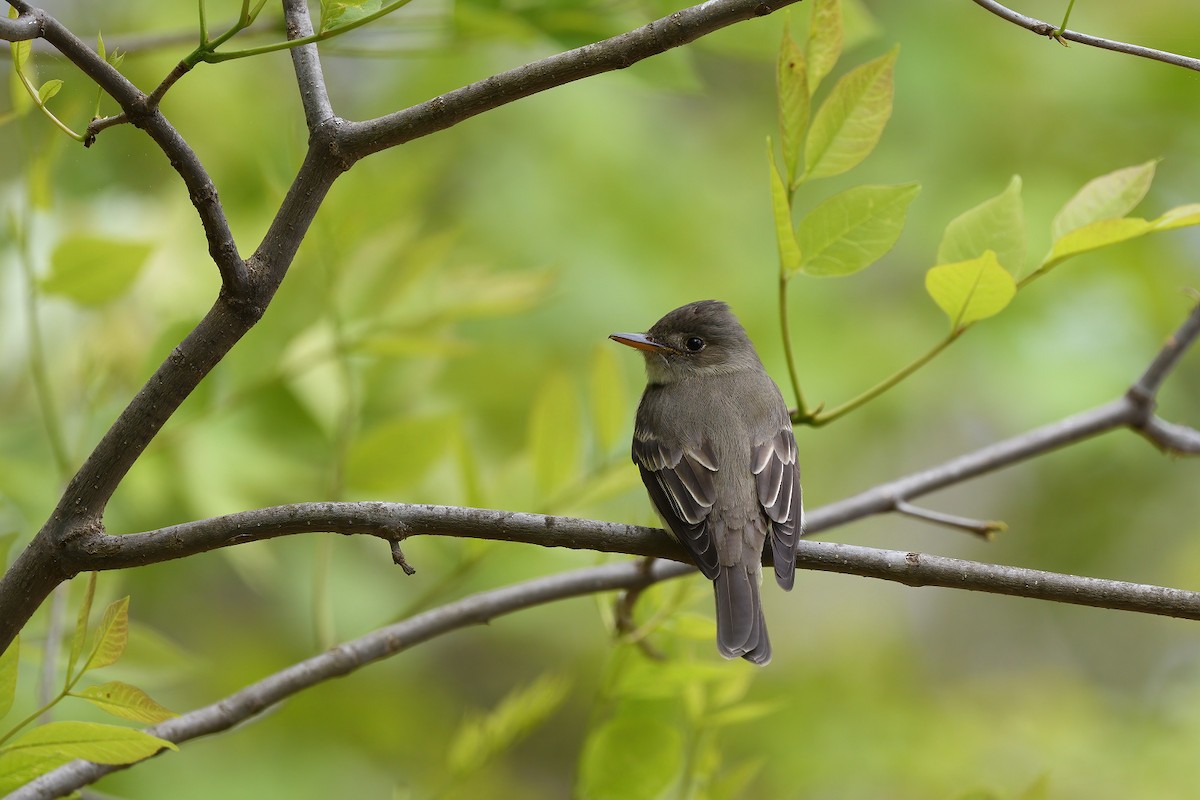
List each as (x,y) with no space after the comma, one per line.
(248,286)
(1042,28)
(912,569)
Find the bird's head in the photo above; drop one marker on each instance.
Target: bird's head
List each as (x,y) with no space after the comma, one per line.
(701,338)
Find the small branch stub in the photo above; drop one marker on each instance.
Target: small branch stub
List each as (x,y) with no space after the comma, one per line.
(399,560)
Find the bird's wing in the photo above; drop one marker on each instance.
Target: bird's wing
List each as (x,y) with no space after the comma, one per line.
(777,478)
(680,482)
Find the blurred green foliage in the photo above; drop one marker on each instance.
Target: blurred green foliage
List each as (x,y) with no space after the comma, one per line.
(441,339)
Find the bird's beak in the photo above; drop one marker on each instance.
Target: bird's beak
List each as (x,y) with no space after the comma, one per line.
(640,341)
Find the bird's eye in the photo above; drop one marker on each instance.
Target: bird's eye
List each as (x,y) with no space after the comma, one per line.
(694,345)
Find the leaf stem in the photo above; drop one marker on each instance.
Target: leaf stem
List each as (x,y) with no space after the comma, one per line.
(1066,16)
(818,419)
(37,100)
(801,410)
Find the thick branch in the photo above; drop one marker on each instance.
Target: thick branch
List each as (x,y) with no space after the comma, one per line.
(619,52)
(1042,28)
(912,569)
(21,29)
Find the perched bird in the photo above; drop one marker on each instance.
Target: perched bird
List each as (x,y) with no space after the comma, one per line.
(714,444)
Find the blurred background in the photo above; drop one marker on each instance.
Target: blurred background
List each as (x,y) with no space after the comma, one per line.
(441,338)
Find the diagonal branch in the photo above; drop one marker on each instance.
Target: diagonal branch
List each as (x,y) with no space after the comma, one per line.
(912,569)
(1042,28)
(618,52)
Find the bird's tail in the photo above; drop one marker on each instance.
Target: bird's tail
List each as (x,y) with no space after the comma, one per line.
(741,629)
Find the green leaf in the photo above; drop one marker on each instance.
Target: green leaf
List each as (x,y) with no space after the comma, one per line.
(111,636)
(79,638)
(610,406)
(127,702)
(1104,233)
(92,270)
(49,89)
(785,238)
(554,434)
(90,741)
(1178,217)
(853,229)
(1108,232)
(398,453)
(849,123)
(481,739)
(18,769)
(969,291)
(340,13)
(20,53)
(100,51)
(1107,197)
(791,89)
(630,757)
(996,224)
(8,676)
(824,45)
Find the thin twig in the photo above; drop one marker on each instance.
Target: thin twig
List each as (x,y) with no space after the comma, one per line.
(981,528)
(1042,28)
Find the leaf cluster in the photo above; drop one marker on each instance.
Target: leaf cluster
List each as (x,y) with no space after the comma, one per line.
(24,756)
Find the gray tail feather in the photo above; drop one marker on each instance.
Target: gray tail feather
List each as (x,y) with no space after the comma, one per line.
(741,629)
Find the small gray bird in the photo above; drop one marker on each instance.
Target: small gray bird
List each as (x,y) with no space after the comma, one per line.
(714,444)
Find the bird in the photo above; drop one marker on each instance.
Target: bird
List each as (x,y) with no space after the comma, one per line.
(714,444)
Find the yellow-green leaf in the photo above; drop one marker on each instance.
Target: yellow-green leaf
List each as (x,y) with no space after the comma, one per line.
(791,88)
(996,224)
(631,757)
(785,237)
(111,636)
(481,738)
(1099,234)
(849,123)
(611,411)
(20,52)
(49,89)
(554,440)
(90,741)
(1107,197)
(1179,217)
(93,270)
(79,638)
(969,291)
(340,13)
(853,229)
(824,45)
(18,769)
(127,702)
(8,676)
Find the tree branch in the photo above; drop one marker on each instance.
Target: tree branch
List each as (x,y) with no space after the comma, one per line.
(911,569)
(350,656)
(307,62)
(618,52)
(21,29)
(1046,29)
